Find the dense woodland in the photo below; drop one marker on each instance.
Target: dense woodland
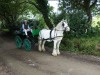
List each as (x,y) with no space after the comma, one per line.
(84,36)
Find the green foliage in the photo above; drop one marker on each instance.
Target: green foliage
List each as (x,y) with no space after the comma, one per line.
(43,8)
(78,14)
(67,44)
(42,24)
(95,31)
(77,23)
(10,11)
(81,45)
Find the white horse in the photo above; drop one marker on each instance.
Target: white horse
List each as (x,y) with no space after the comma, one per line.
(55,35)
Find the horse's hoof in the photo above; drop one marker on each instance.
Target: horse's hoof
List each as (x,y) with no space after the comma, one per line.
(43,50)
(40,50)
(54,54)
(58,53)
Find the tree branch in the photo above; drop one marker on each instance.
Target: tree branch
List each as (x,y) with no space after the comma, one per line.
(93,4)
(30,2)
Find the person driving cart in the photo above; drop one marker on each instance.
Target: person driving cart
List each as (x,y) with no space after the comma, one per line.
(26,27)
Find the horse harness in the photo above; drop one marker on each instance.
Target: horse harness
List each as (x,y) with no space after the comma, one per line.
(55,36)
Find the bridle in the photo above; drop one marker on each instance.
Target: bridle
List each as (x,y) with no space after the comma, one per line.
(63,29)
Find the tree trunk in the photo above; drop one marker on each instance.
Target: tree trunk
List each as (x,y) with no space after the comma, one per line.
(43,8)
(47,21)
(11,23)
(89,16)
(89,20)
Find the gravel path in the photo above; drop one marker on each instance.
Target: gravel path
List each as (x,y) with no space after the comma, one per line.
(20,62)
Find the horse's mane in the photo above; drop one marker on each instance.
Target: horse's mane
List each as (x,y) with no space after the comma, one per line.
(59,25)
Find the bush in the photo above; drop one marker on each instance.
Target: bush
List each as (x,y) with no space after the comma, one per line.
(81,45)
(67,45)
(78,23)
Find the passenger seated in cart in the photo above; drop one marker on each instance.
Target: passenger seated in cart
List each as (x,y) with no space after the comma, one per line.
(26,27)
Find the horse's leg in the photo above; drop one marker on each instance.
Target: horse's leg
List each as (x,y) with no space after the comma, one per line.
(58,44)
(54,53)
(39,44)
(43,43)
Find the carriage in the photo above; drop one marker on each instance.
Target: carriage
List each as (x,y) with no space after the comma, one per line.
(22,40)
(55,35)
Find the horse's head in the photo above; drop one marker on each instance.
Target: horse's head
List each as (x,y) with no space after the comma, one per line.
(65,26)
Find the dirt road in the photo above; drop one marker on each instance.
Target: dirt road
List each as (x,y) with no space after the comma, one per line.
(34,62)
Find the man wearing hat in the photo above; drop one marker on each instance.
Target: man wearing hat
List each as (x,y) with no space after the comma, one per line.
(26,27)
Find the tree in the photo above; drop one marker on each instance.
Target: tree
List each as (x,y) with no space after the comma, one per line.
(86,5)
(73,8)
(43,7)
(10,11)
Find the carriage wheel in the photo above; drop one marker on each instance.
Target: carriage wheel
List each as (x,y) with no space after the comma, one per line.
(27,44)
(18,41)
